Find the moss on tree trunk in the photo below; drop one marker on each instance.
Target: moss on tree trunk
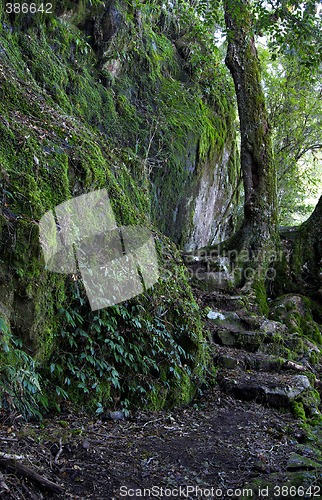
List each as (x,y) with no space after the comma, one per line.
(258,232)
(306,255)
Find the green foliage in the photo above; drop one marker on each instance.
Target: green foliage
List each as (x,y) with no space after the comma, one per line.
(295,111)
(122,353)
(293,27)
(70,126)
(21,393)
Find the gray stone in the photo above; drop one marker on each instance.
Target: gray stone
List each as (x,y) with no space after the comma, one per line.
(264,362)
(229,362)
(226,337)
(241,339)
(116,415)
(275,389)
(216,315)
(272,327)
(298,462)
(281,393)
(297,385)
(302,381)
(206,199)
(218,280)
(311,347)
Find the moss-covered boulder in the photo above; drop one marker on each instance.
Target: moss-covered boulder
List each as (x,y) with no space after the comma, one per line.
(102,98)
(301,315)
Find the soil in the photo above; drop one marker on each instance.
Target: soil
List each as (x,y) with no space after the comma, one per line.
(218,447)
(216,442)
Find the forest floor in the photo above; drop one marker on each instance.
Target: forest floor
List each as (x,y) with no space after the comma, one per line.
(216,443)
(218,446)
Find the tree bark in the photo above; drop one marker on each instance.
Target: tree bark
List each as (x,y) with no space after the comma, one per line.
(306,254)
(258,233)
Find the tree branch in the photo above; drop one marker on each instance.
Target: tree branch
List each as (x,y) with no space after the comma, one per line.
(22,470)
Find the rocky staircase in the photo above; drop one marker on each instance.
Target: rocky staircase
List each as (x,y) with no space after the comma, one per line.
(257,358)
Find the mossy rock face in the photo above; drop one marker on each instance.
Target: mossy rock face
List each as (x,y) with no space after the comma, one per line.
(181,123)
(71,125)
(296,312)
(181,134)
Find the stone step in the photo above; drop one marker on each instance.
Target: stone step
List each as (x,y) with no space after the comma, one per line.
(250,341)
(210,273)
(230,358)
(207,262)
(244,321)
(236,329)
(219,300)
(214,280)
(276,390)
(225,301)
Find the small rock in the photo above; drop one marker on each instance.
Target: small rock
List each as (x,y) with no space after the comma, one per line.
(226,338)
(116,415)
(311,346)
(229,362)
(302,381)
(272,327)
(86,445)
(215,315)
(260,466)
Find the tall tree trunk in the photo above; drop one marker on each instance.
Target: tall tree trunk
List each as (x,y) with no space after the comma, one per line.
(258,233)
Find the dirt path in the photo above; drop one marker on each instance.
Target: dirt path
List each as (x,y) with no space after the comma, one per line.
(230,443)
(218,443)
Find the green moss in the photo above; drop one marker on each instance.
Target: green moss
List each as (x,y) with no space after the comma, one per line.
(311,401)
(261,297)
(296,312)
(314,358)
(157,398)
(309,327)
(69,129)
(186,389)
(298,410)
